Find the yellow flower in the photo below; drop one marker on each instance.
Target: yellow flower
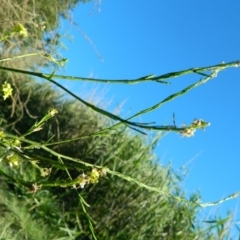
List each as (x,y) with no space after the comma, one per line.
(94,176)
(7,90)
(19,28)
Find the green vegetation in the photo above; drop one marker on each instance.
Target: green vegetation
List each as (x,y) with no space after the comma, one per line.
(121,210)
(70,169)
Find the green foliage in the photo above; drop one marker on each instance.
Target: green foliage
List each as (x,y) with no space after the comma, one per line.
(16,221)
(120,210)
(41,19)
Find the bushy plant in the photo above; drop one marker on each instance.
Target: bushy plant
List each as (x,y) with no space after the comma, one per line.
(120,209)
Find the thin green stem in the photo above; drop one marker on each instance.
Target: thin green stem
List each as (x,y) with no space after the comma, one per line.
(219,67)
(209,204)
(149,78)
(170,98)
(154,189)
(20,56)
(71,182)
(214,69)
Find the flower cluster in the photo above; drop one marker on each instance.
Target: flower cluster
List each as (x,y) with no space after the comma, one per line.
(13,159)
(21,30)
(91,177)
(190,130)
(52,112)
(7,90)
(41,26)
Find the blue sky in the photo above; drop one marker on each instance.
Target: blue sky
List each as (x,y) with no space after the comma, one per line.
(137,38)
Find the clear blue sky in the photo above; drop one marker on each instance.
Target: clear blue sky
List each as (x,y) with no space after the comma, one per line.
(137,38)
